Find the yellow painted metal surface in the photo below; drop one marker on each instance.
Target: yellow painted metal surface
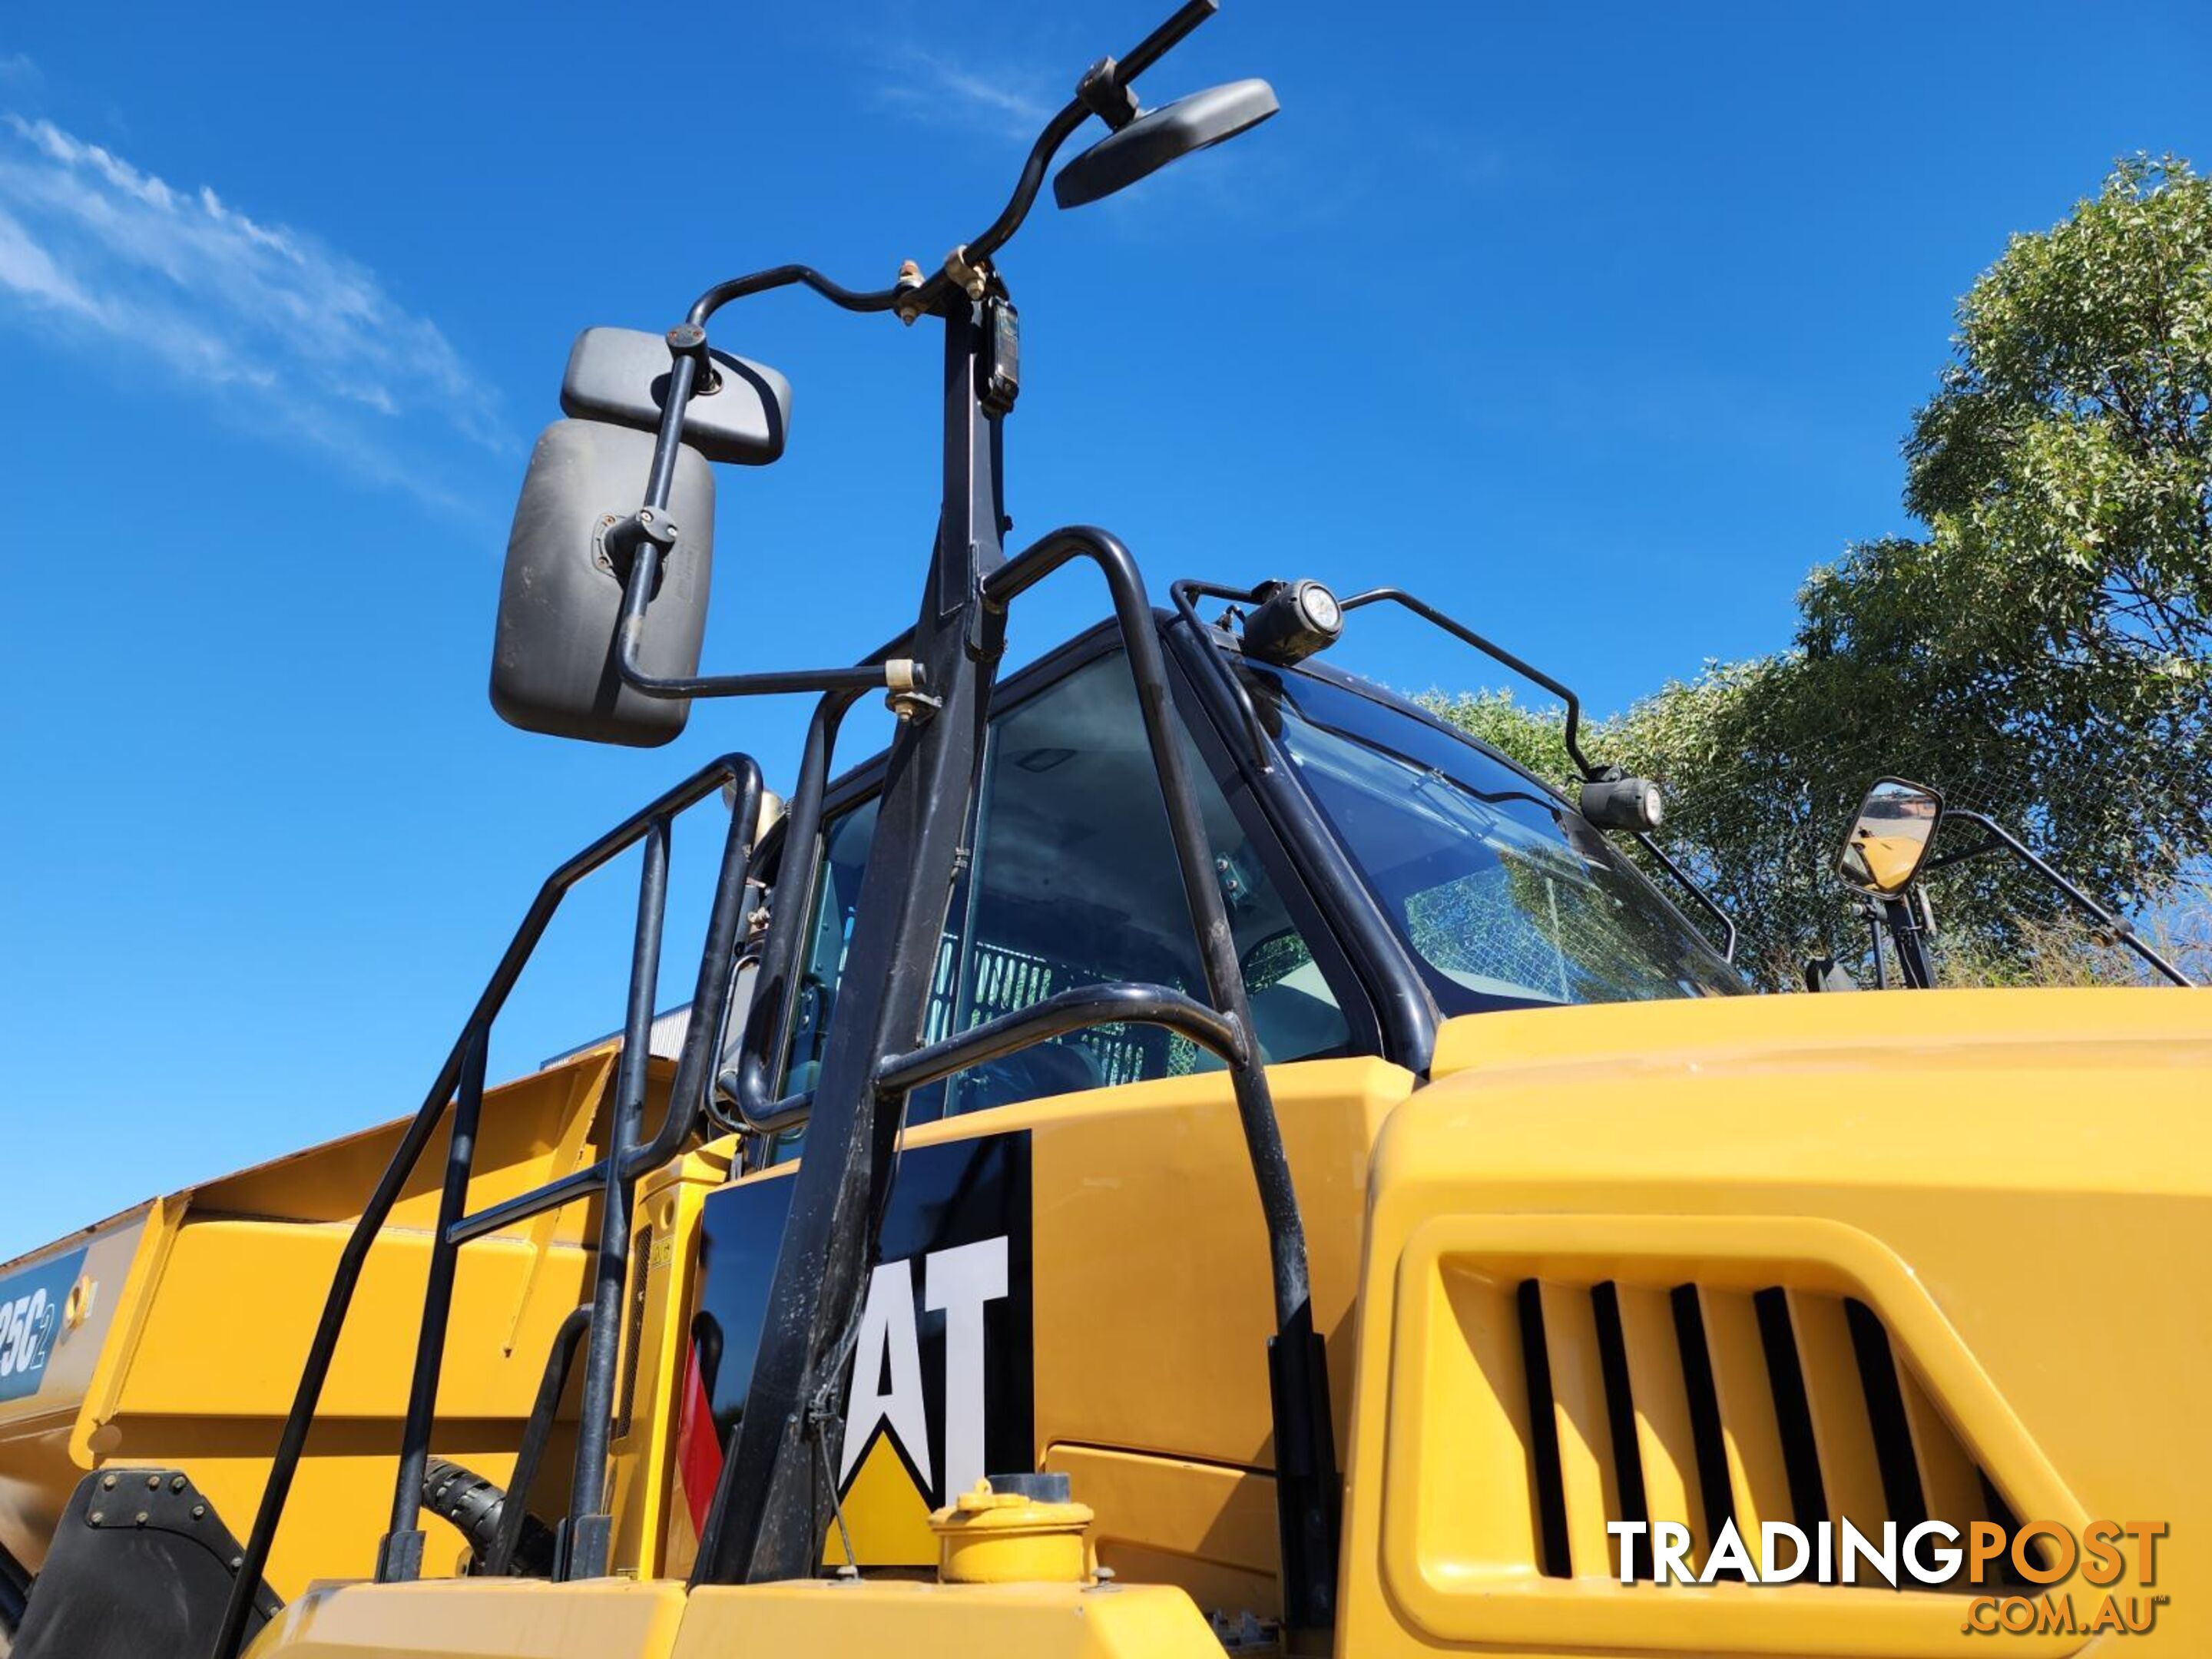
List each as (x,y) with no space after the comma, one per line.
(478,1618)
(1209,1528)
(614,1618)
(1152,1302)
(825,1621)
(206,1300)
(42,1435)
(1751,1433)
(2018,1185)
(656,1340)
(2014,1186)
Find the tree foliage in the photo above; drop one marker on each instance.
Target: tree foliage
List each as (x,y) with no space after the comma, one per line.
(2044,653)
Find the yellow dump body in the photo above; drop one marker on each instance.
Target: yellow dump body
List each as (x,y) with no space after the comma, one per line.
(197,1309)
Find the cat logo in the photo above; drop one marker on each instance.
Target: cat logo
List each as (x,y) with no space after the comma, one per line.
(887,1465)
(940,1390)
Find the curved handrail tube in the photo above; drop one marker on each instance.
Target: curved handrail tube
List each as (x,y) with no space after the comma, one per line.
(1498,654)
(2118,925)
(1224,977)
(1121,1002)
(314,1370)
(774,1005)
(552,1382)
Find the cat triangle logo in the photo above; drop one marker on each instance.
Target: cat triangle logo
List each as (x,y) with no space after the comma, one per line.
(888,1395)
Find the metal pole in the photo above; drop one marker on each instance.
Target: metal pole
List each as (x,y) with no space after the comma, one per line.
(1307,1492)
(2118,926)
(400,1556)
(590,1525)
(552,1382)
(769,1510)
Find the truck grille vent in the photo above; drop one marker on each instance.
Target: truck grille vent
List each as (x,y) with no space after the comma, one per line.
(1698,1405)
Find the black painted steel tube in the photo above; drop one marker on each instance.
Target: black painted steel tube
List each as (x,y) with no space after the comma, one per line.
(2118,926)
(314,1370)
(1649,843)
(402,1557)
(1307,1485)
(717,961)
(1224,977)
(1497,654)
(536,1432)
(645,564)
(1076,1010)
(775,1002)
(588,1539)
(1182,593)
(554,1195)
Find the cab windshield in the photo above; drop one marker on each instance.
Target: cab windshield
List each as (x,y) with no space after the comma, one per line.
(1505,896)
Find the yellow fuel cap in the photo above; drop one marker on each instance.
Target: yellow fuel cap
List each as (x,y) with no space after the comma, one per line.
(1014,1528)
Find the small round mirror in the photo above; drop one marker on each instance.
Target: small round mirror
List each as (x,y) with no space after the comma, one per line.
(1890,839)
(1161,136)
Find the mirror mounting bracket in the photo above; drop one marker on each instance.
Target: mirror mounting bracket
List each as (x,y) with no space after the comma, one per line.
(690,340)
(1106,94)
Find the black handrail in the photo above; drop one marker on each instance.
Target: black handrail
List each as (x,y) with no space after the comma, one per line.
(1307,1486)
(1078,1010)
(395,1557)
(552,1382)
(2118,926)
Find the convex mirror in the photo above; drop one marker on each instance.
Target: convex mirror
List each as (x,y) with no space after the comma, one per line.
(1890,839)
(1161,136)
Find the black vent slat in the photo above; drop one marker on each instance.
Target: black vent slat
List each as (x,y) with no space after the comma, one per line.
(1621,1413)
(1551,1498)
(1589,1357)
(1793,1413)
(1705,1411)
(1892,1434)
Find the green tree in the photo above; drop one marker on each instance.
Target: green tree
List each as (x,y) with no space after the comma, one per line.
(2044,653)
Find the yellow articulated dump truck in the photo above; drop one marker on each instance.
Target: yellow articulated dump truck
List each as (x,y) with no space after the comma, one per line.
(1184,1153)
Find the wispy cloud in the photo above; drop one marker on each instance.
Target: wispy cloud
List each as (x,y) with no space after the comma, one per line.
(17,69)
(262,314)
(937,89)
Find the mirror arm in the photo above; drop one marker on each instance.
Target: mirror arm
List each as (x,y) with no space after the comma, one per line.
(1912,950)
(2118,926)
(912,302)
(645,569)
(687,345)
(1164,40)
(1979,849)
(1690,884)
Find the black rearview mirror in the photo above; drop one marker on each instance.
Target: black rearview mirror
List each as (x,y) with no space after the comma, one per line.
(553,664)
(1890,839)
(1161,136)
(739,412)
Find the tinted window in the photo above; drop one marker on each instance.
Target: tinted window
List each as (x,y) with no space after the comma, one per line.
(1074,881)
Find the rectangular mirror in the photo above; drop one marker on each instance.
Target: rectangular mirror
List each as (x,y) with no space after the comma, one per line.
(560,599)
(620,375)
(1890,839)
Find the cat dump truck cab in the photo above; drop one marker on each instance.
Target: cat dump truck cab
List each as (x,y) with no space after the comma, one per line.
(1182,1153)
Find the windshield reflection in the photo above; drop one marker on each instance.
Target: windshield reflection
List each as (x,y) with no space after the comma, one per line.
(1505,896)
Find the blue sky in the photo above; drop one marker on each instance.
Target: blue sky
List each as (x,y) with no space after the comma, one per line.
(1598,325)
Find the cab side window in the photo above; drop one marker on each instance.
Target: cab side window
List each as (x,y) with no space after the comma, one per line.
(1074,881)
